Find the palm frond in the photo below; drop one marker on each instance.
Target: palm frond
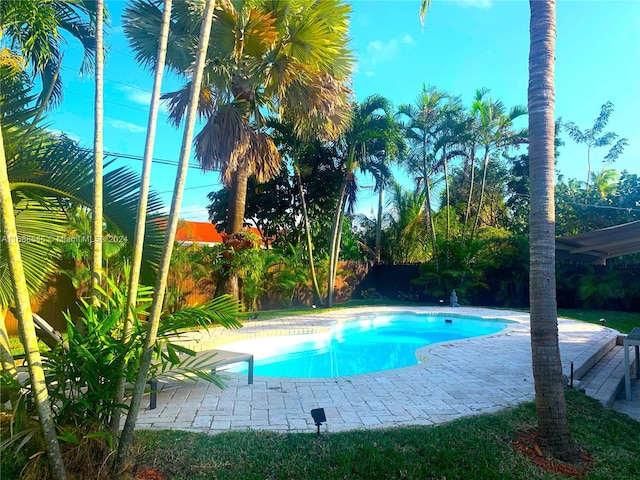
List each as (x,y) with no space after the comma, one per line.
(39,226)
(40,164)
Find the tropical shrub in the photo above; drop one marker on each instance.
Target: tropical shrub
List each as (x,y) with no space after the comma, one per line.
(83,375)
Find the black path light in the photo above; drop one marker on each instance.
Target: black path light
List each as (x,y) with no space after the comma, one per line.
(318,417)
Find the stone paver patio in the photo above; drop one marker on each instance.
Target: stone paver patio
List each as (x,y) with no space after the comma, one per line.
(455,379)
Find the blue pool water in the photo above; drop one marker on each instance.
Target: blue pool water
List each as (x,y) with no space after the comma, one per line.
(373,344)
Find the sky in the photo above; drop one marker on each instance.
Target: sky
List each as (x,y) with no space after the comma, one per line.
(464,45)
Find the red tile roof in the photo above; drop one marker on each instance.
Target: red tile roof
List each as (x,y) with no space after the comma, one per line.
(202,232)
(197,232)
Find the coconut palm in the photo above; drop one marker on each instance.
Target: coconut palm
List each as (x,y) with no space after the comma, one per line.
(553,428)
(34,29)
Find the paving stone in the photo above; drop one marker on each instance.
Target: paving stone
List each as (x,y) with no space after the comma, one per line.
(455,379)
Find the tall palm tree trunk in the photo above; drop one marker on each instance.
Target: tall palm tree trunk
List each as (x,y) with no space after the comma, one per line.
(336,230)
(379,224)
(307,228)
(470,197)
(482,188)
(235,219)
(445,164)
(238,201)
(429,215)
(172,227)
(26,327)
(96,264)
(553,429)
(138,239)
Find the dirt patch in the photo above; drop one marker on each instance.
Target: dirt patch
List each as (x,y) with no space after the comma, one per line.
(149,474)
(526,443)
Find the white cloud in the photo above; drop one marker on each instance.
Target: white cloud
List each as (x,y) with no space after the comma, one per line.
(482,4)
(122,125)
(369,73)
(408,39)
(135,95)
(141,97)
(379,51)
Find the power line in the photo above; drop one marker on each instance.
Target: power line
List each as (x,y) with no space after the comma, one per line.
(190,188)
(129,156)
(589,205)
(145,110)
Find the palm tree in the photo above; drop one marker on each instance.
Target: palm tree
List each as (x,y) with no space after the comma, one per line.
(606,183)
(163,270)
(145,181)
(553,428)
(495,133)
(47,175)
(406,225)
(451,136)
(421,128)
(26,326)
(34,27)
(291,146)
(97,230)
(594,138)
(367,144)
(288,59)
(46,179)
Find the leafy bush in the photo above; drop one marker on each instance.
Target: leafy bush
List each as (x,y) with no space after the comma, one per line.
(84,372)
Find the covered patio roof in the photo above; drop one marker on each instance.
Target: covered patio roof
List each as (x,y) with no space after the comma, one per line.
(598,245)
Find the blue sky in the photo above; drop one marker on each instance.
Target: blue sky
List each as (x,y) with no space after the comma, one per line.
(465,45)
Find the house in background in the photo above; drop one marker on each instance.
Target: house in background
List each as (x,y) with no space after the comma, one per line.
(203,234)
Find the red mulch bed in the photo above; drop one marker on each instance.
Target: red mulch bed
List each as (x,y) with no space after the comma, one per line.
(149,474)
(526,443)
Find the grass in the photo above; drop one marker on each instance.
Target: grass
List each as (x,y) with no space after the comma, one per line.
(624,322)
(17,349)
(471,448)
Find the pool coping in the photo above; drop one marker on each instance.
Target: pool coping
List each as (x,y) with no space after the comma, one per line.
(459,378)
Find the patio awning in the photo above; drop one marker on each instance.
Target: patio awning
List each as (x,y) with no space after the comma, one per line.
(597,246)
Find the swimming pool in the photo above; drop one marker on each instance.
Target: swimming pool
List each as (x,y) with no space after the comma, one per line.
(363,345)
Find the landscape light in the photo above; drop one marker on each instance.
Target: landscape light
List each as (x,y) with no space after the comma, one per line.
(318,417)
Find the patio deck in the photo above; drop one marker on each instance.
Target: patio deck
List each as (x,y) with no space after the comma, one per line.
(456,379)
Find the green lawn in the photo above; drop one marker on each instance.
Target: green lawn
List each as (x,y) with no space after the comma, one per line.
(624,322)
(474,448)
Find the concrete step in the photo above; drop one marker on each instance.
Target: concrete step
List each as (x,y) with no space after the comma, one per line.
(606,378)
(590,357)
